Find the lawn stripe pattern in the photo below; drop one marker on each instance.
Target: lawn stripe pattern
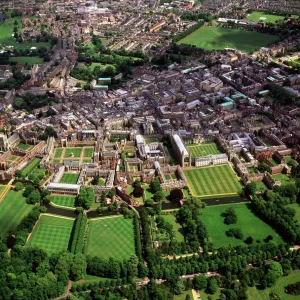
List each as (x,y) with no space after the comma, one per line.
(67,201)
(69,178)
(75,151)
(111,237)
(88,152)
(203,150)
(52,234)
(212,180)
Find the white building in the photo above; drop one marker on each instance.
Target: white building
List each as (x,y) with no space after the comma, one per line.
(217,159)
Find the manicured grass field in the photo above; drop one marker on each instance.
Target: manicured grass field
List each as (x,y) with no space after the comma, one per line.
(88,152)
(75,151)
(58,152)
(284,179)
(67,201)
(249,224)
(218,38)
(259,16)
(278,288)
(111,237)
(216,180)
(172,219)
(183,295)
(13,209)
(29,60)
(31,166)
(24,146)
(69,178)
(203,150)
(6,39)
(51,234)
(296,207)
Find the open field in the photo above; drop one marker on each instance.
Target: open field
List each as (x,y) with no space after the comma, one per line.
(29,60)
(172,219)
(249,224)
(259,16)
(75,151)
(216,180)
(51,234)
(67,201)
(69,178)
(218,38)
(111,237)
(203,150)
(278,288)
(296,207)
(13,209)
(33,164)
(284,179)
(6,39)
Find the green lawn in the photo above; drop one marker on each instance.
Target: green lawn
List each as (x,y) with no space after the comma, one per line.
(284,179)
(24,146)
(69,178)
(32,165)
(101,181)
(216,180)
(205,296)
(296,207)
(75,151)
(260,187)
(86,160)
(58,152)
(29,60)
(183,295)
(6,39)
(133,167)
(256,294)
(111,237)
(51,234)
(172,219)
(88,152)
(218,38)
(67,201)
(259,16)
(13,209)
(203,150)
(249,224)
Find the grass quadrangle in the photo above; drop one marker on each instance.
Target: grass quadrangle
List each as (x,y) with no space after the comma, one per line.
(67,201)
(70,178)
(203,150)
(73,152)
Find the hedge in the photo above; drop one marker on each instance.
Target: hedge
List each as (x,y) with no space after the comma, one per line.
(77,237)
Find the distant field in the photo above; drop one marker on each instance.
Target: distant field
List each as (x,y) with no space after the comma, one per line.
(31,166)
(29,60)
(218,38)
(51,234)
(203,150)
(111,237)
(249,224)
(75,151)
(259,16)
(13,209)
(67,201)
(69,178)
(216,180)
(256,294)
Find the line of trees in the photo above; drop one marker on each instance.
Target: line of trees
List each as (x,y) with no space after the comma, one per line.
(137,235)
(77,237)
(184,34)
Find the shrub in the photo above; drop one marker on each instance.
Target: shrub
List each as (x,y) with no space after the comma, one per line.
(249,240)
(176,195)
(293,289)
(77,239)
(235,232)
(138,191)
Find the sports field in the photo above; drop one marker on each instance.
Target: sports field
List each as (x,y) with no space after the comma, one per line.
(13,209)
(69,178)
(203,150)
(218,38)
(51,234)
(73,152)
(33,164)
(209,181)
(111,237)
(29,60)
(258,294)
(259,16)
(67,201)
(249,224)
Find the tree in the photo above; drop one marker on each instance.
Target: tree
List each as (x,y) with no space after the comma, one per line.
(158,196)
(188,297)
(274,273)
(155,185)
(34,197)
(28,190)
(179,287)
(78,267)
(123,155)
(263,167)
(249,240)
(176,195)
(230,216)
(212,286)
(18,173)
(19,186)
(200,282)
(138,192)
(250,188)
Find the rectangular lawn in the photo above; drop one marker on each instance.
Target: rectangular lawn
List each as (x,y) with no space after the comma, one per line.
(13,209)
(88,152)
(69,178)
(29,60)
(68,201)
(24,146)
(32,165)
(203,150)
(58,152)
(209,181)
(111,237)
(260,16)
(51,234)
(249,224)
(75,151)
(218,38)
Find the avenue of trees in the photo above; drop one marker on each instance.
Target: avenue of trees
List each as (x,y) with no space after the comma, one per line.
(78,232)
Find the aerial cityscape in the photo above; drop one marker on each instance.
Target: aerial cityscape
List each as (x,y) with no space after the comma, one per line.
(150,149)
